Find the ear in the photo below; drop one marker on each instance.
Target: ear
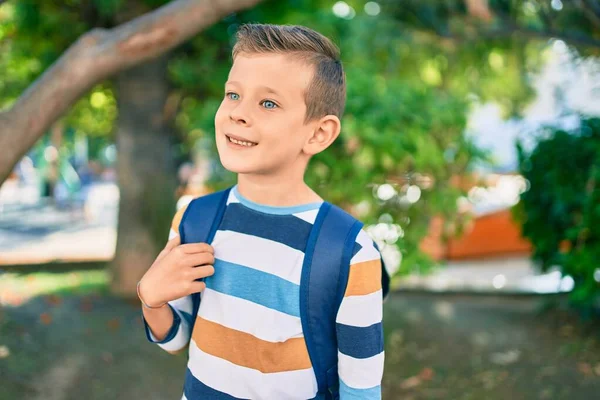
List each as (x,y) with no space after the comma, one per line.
(325,131)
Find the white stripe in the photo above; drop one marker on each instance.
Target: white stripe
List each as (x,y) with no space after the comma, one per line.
(183,397)
(360,373)
(183,304)
(260,254)
(361,310)
(181,339)
(248,383)
(245,316)
(368,251)
(172,233)
(309,216)
(232,198)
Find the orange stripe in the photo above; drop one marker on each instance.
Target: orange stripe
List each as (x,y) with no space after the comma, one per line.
(246,350)
(365,278)
(177,219)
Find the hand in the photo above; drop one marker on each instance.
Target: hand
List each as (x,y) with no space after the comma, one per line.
(175,270)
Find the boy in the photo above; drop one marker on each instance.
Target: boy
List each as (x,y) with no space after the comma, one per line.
(282,104)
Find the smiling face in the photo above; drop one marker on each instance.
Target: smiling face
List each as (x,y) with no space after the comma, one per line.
(260,125)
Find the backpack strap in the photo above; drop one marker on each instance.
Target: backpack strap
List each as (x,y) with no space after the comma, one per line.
(199,224)
(322,286)
(385,276)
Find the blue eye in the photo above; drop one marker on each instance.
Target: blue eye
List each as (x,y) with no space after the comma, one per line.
(268,104)
(233,96)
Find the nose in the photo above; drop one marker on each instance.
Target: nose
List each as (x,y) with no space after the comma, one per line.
(239,115)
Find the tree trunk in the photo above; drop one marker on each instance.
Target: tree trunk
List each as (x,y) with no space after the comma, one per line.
(146,172)
(98,55)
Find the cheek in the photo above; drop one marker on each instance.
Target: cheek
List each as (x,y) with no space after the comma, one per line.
(220,115)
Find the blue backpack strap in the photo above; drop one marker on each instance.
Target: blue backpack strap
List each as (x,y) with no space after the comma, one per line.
(385,277)
(199,224)
(322,286)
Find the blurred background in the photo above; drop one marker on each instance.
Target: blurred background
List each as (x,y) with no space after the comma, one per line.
(470,148)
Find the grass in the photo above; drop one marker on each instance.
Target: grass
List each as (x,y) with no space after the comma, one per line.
(17,288)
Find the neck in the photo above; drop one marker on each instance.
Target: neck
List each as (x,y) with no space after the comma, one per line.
(276,191)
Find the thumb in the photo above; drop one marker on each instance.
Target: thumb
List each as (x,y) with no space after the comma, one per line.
(171,244)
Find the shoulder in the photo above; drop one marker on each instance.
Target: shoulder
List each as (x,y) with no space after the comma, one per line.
(194,205)
(365,267)
(364,248)
(177,219)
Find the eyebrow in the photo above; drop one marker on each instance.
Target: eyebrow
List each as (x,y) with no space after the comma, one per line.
(265,88)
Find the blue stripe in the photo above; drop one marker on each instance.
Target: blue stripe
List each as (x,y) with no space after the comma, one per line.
(188,317)
(275,210)
(359,342)
(287,229)
(194,389)
(256,286)
(357,248)
(172,331)
(348,393)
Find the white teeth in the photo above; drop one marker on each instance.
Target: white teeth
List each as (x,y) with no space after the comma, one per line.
(247,144)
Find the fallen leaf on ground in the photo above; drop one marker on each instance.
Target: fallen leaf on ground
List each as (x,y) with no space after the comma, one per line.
(410,383)
(113,324)
(53,300)
(585,369)
(107,357)
(86,305)
(506,358)
(45,318)
(426,374)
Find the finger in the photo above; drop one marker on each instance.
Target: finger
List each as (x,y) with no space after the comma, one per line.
(203,272)
(194,260)
(191,248)
(197,286)
(161,255)
(171,244)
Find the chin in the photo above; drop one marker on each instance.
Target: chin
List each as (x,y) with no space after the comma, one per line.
(237,165)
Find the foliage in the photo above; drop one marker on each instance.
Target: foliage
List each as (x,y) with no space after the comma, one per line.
(471,21)
(414,70)
(403,130)
(561,210)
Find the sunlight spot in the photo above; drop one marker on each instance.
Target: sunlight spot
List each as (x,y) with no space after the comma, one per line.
(343,10)
(413,194)
(98,100)
(444,310)
(372,8)
(499,281)
(567,284)
(386,191)
(557,5)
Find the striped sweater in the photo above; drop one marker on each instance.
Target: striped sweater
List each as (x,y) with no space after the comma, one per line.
(247,340)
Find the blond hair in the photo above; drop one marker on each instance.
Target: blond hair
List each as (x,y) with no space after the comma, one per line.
(326,93)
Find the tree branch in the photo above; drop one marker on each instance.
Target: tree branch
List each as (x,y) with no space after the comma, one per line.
(509,30)
(576,39)
(592,11)
(510,27)
(95,56)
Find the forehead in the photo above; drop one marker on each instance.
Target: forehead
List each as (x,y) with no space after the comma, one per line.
(287,75)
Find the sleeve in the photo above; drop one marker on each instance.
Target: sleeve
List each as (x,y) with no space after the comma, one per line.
(180,332)
(359,325)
